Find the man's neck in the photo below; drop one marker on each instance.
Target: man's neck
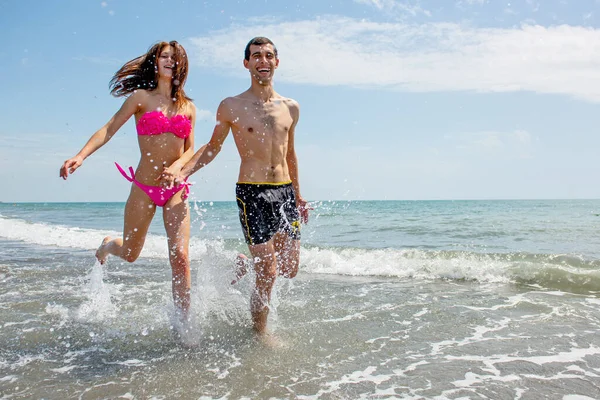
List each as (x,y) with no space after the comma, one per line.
(263,92)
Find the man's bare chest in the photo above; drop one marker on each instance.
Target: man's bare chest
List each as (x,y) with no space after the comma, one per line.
(264,119)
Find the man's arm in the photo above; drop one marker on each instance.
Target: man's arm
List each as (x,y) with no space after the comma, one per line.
(292,162)
(209,151)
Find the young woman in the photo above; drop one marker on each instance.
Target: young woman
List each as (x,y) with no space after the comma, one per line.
(165,117)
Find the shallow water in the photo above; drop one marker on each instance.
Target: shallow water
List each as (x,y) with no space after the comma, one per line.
(433,320)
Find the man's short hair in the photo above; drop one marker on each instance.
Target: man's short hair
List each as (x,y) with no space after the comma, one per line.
(259,40)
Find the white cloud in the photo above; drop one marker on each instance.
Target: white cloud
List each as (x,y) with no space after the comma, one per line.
(470,2)
(379,4)
(204,115)
(427,57)
(534,5)
(395,6)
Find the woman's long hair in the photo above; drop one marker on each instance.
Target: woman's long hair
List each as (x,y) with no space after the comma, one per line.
(142,73)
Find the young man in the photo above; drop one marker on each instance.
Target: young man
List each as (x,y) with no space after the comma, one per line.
(268,190)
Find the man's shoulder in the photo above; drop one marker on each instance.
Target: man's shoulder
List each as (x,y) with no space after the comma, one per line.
(292,105)
(290,102)
(229,107)
(231,100)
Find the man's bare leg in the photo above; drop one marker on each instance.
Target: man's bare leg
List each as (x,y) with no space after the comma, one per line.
(265,266)
(241,267)
(288,254)
(139,212)
(287,251)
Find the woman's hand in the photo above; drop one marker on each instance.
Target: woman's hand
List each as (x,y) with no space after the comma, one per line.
(70,166)
(171,176)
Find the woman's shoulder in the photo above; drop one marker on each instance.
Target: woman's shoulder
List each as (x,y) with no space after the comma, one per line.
(189,109)
(140,93)
(139,97)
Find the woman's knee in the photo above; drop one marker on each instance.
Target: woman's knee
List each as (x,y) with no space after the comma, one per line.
(131,256)
(179,258)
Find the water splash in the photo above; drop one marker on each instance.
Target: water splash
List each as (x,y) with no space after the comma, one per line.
(98,306)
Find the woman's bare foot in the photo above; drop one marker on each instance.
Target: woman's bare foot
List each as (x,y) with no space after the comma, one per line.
(102,253)
(241,268)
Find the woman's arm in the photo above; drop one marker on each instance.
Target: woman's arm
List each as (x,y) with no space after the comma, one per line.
(103,135)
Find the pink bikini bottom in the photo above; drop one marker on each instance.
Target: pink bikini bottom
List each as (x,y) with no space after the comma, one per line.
(157,194)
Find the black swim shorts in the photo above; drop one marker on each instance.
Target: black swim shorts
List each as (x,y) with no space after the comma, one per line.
(265,209)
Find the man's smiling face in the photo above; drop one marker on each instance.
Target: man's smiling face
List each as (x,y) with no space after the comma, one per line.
(262,63)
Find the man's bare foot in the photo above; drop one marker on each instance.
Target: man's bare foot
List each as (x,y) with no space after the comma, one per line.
(269,340)
(241,268)
(102,253)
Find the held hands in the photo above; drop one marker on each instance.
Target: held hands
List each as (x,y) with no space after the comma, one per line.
(303,208)
(171,177)
(70,166)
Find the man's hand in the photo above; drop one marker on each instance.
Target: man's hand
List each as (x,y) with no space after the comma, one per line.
(303,208)
(171,177)
(70,166)
(168,176)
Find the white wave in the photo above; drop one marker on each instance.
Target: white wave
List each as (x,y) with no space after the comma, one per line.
(80,238)
(398,263)
(404,264)
(468,266)
(51,235)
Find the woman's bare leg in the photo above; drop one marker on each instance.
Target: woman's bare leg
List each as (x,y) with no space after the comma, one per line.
(139,211)
(176,217)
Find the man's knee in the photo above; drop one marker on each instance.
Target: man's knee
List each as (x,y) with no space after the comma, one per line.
(265,267)
(289,269)
(288,259)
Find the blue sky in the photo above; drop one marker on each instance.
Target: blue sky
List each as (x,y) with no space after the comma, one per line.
(436,99)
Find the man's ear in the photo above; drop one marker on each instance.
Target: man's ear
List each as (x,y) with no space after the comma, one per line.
(245,63)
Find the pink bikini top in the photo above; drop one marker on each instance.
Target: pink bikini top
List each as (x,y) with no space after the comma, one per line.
(156,122)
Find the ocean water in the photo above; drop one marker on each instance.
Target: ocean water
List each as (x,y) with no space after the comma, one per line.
(394,300)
